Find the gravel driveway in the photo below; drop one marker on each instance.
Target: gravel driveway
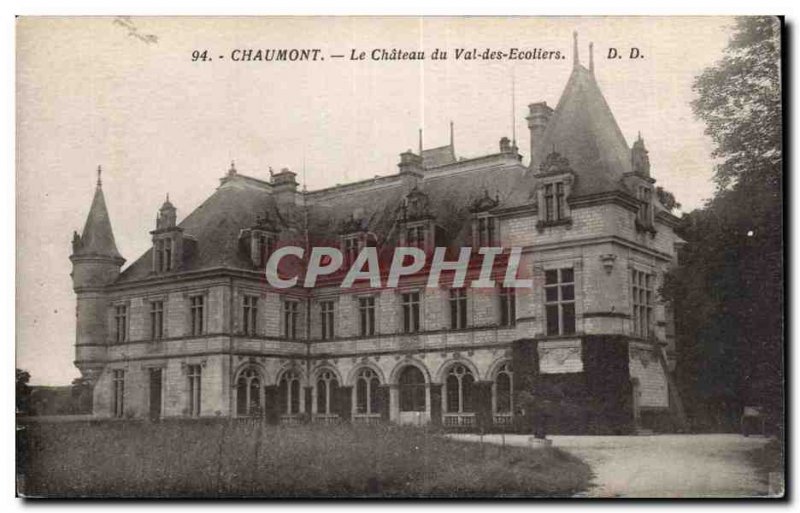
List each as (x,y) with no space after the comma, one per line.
(661,465)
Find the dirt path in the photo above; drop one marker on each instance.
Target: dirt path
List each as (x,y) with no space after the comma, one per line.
(661,465)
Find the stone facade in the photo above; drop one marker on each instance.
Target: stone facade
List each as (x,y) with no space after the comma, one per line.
(206,336)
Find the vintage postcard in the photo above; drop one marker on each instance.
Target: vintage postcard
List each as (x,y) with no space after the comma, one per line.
(399,257)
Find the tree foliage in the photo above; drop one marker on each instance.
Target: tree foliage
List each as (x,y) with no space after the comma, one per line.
(727,293)
(740,101)
(23,391)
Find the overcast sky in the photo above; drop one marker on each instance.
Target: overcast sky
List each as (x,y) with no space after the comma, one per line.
(89,93)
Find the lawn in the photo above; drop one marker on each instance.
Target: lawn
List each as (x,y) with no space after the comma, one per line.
(221,458)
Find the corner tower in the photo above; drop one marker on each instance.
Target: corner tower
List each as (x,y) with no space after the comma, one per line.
(96,263)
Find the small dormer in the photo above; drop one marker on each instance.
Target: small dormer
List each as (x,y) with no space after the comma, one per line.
(484,224)
(354,235)
(554,186)
(167,239)
(417,221)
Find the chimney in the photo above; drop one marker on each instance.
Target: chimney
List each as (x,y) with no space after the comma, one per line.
(284,185)
(410,168)
(538,117)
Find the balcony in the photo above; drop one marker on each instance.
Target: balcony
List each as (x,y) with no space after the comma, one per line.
(503,419)
(458,420)
(326,418)
(367,419)
(291,420)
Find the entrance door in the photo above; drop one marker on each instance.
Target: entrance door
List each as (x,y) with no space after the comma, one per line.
(155,393)
(413,397)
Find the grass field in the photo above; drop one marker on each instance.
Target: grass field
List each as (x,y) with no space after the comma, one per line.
(213,459)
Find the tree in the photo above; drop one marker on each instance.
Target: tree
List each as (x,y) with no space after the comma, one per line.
(727,293)
(23,391)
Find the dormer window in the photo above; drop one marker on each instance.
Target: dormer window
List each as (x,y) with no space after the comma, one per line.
(484,228)
(262,246)
(555,183)
(554,200)
(164,254)
(415,236)
(168,239)
(416,217)
(485,231)
(644,217)
(351,246)
(645,195)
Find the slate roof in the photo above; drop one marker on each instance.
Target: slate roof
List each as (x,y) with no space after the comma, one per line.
(97,238)
(582,128)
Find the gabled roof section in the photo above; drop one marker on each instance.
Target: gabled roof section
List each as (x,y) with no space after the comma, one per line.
(98,237)
(584,130)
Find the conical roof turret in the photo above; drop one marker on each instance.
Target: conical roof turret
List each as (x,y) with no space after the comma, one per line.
(97,238)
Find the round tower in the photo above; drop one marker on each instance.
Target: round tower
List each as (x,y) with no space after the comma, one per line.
(96,263)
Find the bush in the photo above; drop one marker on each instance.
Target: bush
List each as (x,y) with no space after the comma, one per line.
(223,458)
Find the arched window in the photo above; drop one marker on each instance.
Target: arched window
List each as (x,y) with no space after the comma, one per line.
(412,389)
(459,389)
(503,390)
(248,393)
(289,390)
(367,391)
(327,385)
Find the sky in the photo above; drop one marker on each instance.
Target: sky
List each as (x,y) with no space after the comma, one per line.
(93,91)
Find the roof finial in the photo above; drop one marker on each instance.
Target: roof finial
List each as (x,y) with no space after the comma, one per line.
(99,177)
(575,58)
(167,197)
(513,106)
(232,170)
(420,142)
(591,57)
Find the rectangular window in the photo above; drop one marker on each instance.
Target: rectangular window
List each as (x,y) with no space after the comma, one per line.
(291,313)
(118,392)
(352,246)
(163,250)
(415,237)
(644,208)
(485,231)
(249,314)
(642,295)
(327,311)
(168,254)
(195,373)
(555,201)
(121,323)
(458,309)
(197,308)
(508,307)
(559,298)
(159,255)
(264,246)
(411,312)
(156,320)
(366,311)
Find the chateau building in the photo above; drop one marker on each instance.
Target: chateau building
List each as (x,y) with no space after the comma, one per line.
(193,329)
